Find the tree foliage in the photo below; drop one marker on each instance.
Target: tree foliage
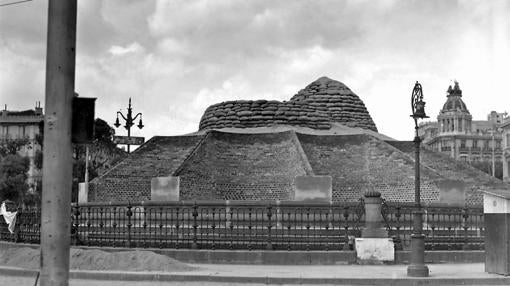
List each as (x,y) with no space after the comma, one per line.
(486,166)
(13,177)
(103,154)
(11,147)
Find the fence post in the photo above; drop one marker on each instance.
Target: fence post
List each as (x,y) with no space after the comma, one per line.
(374,227)
(19,222)
(465,216)
(195,226)
(249,228)
(129,213)
(269,245)
(398,239)
(346,227)
(230,217)
(76,224)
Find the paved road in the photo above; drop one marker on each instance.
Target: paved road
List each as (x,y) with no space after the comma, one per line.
(442,274)
(22,281)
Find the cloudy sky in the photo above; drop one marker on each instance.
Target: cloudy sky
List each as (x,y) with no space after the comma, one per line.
(176,57)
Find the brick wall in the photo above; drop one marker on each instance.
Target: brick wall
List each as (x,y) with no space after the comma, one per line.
(360,162)
(233,166)
(446,167)
(131,178)
(243,167)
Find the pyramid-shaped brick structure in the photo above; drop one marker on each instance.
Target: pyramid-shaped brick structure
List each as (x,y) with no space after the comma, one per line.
(228,160)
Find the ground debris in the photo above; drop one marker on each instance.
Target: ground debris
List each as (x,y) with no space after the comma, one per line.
(95,259)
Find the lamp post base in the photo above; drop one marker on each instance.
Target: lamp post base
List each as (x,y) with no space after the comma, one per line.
(418,270)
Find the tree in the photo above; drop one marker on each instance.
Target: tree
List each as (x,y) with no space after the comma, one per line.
(486,167)
(13,170)
(13,177)
(103,153)
(11,147)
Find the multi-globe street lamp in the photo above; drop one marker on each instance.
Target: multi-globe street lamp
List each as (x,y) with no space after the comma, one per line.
(129,119)
(417,268)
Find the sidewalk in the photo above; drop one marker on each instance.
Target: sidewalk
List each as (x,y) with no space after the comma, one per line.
(440,274)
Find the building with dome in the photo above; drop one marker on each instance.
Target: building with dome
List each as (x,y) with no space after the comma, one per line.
(456,133)
(257,149)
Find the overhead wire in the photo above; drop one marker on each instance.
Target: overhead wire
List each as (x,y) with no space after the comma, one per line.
(13,3)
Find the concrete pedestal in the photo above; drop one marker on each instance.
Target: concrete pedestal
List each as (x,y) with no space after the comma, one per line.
(374,247)
(313,188)
(165,188)
(83,192)
(374,250)
(496,208)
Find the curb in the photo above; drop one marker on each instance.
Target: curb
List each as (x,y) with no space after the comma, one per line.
(169,277)
(282,257)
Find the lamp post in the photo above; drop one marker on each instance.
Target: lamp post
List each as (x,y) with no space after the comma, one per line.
(492,130)
(417,268)
(493,161)
(129,119)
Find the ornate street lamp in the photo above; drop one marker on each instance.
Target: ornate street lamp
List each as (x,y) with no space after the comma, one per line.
(417,268)
(129,119)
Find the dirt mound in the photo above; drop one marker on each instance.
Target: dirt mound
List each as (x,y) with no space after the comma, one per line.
(95,259)
(24,257)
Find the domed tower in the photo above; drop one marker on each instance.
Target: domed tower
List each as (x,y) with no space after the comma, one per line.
(454,117)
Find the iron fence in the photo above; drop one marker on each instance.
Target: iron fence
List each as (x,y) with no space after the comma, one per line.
(445,227)
(251,225)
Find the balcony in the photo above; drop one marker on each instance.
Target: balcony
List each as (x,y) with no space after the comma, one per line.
(489,150)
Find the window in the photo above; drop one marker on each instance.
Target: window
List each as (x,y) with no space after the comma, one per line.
(462,143)
(475,143)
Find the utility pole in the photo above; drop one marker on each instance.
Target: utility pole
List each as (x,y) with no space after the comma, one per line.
(57,166)
(87,164)
(493,161)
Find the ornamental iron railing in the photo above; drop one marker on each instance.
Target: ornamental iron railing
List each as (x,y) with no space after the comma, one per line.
(251,225)
(445,227)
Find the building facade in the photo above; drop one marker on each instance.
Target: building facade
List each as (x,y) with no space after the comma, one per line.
(456,133)
(23,125)
(505,130)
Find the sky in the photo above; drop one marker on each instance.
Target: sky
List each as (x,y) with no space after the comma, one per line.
(174,58)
